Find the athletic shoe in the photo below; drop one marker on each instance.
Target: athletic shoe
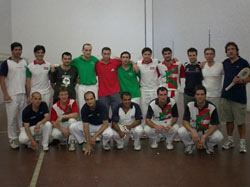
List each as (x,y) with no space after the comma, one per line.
(45,148)
(83,147)
(106,147)
(170,146)
(137,145)
(189,149)
(210,151)
(72,146)
(119,145)
(98,139)
(14,144)
(154,144)
(228,144)
(242,147)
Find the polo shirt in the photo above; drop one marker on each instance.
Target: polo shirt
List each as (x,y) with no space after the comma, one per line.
(32,117)
(57,110)
(238,92)
(96,116)
(201,119)
(126,118)
(86,69)
(15,75)
(128,81)
(108,81)
(39,74)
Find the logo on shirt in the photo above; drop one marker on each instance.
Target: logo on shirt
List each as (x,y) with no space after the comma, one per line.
(202,120)
(112,69)
(164,114)
(66,81)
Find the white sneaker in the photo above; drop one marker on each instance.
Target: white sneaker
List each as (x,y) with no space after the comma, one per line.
(189,149)
(106,147)
(170,146)
(242,147)
(45,148)
(98,139)
(137,145)
(154,144)
(72,146)
(119,145)
(14,144)
(228,144)
(83,147)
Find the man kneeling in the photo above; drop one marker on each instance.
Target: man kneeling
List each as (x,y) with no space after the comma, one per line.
(126,119)
(200,123)
(95,121)
(35,118)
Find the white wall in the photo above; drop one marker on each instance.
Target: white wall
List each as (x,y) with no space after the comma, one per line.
(63,25)
(184,24)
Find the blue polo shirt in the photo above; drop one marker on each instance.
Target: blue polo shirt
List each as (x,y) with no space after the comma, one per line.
(238,92)
(96,116)
(32,117)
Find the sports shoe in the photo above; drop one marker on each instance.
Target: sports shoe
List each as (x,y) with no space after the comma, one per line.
(72,146)
(83,147)
(154,144)
(210,150)
(45,148)
(14,144)
(228,144)
(137,145)
(169,146)
(98,139)
(119,145)
(189,149)
(242,147)
(106,147)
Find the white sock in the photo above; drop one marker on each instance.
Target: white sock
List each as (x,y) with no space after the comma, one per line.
(230,138)
(243,140)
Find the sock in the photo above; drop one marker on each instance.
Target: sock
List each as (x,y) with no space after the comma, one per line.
(230,138)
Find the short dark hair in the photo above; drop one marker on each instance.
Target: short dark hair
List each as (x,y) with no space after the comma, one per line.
(200,87)
(166,49)
(126,52)
(162,88)
(209,48)
(39,47)
(32,95)
(125,94)
(192,50)
(233,44)
(85,45)
(106,49)
(67,54)
(146,49)
(62,89)
(15,44)
(89,92)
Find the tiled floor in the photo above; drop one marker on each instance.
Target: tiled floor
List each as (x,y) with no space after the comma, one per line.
(123,168)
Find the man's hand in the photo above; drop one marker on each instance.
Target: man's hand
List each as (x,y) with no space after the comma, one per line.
(195,137)
(66,131)
(34,145)
(237,80)
(88,150)
(7,98)
(201,143)
(37,127)
(168,127)
(136,68)
(92,140)
(122,134)
(159,127)
(202,64)
(28,100)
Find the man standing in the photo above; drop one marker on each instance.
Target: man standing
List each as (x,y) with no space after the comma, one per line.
(161,119)
(64,76)
(128,78)
(193,75)
(126,119)
(94,123)
(234,100)
(36,122)
(85,65)
(63,114)
(12,79)
(200,123)
(37,74)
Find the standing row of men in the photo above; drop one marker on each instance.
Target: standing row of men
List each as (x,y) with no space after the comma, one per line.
(117,75)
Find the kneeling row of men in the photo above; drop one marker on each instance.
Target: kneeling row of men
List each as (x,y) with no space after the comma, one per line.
(199,128)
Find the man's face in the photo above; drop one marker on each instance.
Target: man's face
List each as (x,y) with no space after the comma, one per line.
(87,51)
(209,55)
(17,52)
(147,56)
(162,96)
(106,55)
(231,51)
(125,59)
(36,99)
(90,100)
(192,57)
(167,55)
(66,60)
(63,96)
(200,96)
(39,55)
(126,101)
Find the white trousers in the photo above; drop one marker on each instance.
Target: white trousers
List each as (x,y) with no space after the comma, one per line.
(136,132)
(169,135)
(59,135)
(14,111)
(82,89)
(47,99)
(45,131)
(211,140)
(76,129)
(136,100)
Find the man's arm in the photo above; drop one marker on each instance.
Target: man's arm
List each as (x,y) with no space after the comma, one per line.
(193,132)
(43,121)
(100,131)
(6,96)
(171,123)
(28,89)
(71,115)
(87,137)
(149,122)
(133,125)
(34,145)
(208,133)
(117,129)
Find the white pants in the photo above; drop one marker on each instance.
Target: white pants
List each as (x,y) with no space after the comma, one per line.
(211,140)
(59,135)
(136,132)
(47,99)
(146,97)
(14,111)
(45,131)
(154,134)
(82,89)
(76,129)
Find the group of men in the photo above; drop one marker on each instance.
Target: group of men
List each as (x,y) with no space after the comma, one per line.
(142,97)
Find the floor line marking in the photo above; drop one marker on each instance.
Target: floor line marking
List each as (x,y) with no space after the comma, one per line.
(37,169)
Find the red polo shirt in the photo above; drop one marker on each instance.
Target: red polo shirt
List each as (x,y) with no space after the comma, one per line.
(108,81)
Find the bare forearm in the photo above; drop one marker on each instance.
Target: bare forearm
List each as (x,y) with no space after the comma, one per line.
(86,133)
(71,115)
(28,87)
(116,127)
(211,131)
(150,123)
(45,119)
(173,121)
(3,86)
(135,124)
(27,130)
(103,127)
(187,126)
